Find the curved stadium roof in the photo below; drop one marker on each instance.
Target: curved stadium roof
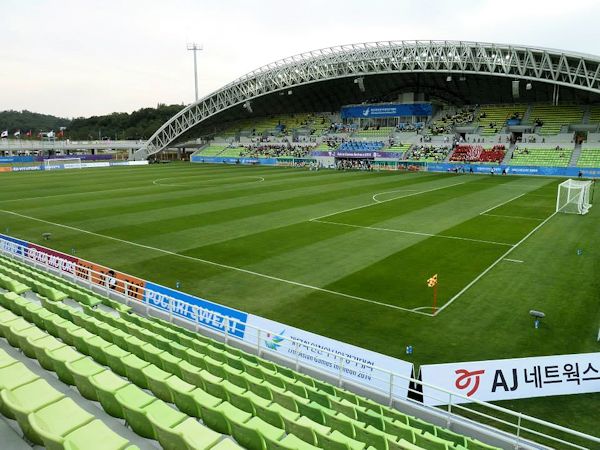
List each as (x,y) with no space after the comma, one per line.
(323,80)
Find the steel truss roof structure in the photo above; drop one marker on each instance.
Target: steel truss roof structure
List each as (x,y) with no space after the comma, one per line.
(556,67)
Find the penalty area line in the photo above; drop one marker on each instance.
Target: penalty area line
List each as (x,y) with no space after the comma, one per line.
(378,202)
(494,264)
(216,264)
(415,233)
(513,260)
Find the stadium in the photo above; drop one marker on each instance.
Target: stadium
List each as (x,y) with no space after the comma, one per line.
(385,245)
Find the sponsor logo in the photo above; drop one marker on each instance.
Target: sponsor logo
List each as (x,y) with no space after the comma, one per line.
(274,341)
(464,379)
(366,112)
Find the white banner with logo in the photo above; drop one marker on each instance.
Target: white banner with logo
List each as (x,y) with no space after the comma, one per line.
(505,379)
(335,357)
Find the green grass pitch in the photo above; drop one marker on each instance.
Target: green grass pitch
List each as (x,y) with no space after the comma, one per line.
(346,255)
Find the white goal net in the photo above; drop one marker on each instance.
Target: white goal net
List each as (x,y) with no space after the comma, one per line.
(573,197)
(62,163)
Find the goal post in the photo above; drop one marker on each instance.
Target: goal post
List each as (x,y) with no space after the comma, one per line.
(62,163)
(573,197)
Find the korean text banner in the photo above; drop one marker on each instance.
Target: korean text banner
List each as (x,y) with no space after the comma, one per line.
(197,309)
(387,110)
(332,356)
(505,379)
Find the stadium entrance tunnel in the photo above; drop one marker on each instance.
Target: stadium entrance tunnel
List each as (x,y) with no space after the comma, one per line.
(444,72)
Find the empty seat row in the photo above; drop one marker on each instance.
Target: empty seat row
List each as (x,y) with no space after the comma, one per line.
(183,361)
(46,416)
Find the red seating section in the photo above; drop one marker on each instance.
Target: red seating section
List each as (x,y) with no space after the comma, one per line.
(476,153)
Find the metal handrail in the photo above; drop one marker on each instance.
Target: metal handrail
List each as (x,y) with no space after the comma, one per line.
(97,279)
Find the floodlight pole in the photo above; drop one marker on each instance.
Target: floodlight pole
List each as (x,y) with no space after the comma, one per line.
(195,48)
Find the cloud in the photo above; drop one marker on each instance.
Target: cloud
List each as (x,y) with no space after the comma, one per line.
(75,58)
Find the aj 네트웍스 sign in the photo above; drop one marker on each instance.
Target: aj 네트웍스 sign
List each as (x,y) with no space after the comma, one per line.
(505,379)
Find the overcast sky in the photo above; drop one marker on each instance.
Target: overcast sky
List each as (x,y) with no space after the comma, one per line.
(87,57)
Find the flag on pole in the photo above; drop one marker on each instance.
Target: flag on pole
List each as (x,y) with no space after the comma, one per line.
(431,282)
(4,134)
(28,134)
(50,134)
(17,133)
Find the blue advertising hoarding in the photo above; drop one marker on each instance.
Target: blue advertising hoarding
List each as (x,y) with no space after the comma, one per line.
(386,110)
(197,309)
(572,172)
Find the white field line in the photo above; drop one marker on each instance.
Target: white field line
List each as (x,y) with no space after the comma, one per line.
(390,192)
(491,266)
(511,217)
(416,233)
(213,263)
(503,203)
(513,260)
(385,201)
(157,182)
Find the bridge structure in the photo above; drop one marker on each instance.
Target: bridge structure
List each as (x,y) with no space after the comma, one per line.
(425,64)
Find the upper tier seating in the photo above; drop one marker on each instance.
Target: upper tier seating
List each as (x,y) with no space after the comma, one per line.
(589,157)
(262,405)
(551,157)
(594,114)
(374,132)
(553,117)
(356,146)
(493,117)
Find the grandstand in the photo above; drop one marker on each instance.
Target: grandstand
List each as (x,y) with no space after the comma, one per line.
(589,157)
(551,157)
(170,384)
(554,118)
(478,154)
(340,255)
(493,118)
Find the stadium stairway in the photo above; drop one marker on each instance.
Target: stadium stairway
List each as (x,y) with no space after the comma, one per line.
(575,155)
(181,388)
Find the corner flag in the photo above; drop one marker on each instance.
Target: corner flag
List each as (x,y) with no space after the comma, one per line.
(431,282)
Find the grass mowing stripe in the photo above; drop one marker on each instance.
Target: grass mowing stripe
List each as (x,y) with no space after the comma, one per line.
(416,233)
(385,201)
(213,263)
(482,274)
(503,203)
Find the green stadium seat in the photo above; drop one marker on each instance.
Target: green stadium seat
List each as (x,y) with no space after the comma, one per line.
(132,401)
(250,434)
(42,346)
(25,335)
(400,429)
(421,425)
(96,436)
(60,357)
(82,370)
(186,435)
(52,423)
(306,429)
(156,379)
(274,413)
(457,439)
(373,436)
(107,384)
(25,399)
(338,441)
(133,370)
(429,441)
(219,417)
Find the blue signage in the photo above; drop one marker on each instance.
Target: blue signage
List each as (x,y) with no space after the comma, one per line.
(15,159)
(197,309)
(572,172)
(387,110)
